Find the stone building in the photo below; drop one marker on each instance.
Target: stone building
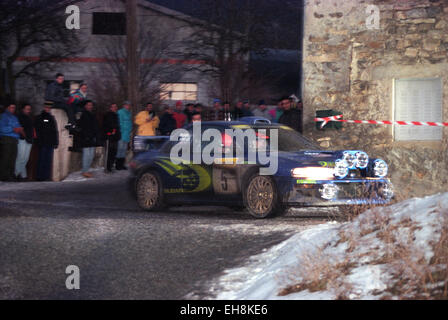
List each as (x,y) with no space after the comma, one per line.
(381,60)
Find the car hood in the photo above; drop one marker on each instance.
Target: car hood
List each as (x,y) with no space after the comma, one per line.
(290,160)
(310,156)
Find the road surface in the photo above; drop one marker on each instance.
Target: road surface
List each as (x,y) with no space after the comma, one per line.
(122,252)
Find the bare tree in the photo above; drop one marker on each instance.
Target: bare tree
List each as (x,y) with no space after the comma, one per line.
(154,46)
(35,27)
(223,38)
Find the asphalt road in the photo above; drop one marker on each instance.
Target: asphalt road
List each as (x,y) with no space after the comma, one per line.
(122,252)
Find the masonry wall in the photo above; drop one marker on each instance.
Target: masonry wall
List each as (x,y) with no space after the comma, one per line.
(350,68)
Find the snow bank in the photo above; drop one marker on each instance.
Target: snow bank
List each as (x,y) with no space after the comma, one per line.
(365,247)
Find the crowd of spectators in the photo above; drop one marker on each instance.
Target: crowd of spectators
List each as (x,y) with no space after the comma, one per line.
(19,130)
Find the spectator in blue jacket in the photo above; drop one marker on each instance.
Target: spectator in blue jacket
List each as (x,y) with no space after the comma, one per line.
(10,132)
(125,118)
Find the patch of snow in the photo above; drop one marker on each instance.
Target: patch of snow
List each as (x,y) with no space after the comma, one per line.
(258,279)
(415,222)
(98,174)
(78,177)
(250,228)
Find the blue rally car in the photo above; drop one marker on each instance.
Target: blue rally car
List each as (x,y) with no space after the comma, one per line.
(305,175)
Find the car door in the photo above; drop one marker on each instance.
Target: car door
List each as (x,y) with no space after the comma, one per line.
(196,175)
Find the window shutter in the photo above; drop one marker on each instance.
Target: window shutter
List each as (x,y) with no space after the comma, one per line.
(418,100)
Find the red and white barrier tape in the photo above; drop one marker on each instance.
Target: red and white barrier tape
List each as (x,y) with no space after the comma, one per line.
(401,123)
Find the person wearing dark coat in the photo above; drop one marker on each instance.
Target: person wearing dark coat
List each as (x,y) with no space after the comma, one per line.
(238,111)
(111,135)
(167,122)
(246,109)
(189,109)
(47,140)
(90,137)
(290,117)
(25,143)
(55,93)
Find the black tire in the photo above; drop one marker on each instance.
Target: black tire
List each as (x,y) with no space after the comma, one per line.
(149,193)
(261,198)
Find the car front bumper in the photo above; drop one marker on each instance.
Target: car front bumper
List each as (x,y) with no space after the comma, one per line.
(338,192)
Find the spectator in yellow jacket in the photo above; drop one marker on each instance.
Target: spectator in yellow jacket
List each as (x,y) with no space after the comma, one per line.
(147,121)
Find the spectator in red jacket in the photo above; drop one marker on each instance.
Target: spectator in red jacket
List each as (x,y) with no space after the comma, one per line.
(179,115)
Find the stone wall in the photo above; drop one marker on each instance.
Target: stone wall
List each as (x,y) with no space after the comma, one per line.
(351,68)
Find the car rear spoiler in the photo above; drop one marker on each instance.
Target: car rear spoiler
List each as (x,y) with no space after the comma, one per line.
(147,143)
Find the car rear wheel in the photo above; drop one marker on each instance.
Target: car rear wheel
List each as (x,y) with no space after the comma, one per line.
(149,191)
(260,197)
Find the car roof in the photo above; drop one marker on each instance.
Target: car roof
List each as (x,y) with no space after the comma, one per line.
(228,124)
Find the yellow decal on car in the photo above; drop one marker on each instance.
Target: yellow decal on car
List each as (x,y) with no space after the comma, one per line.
(225,160)
(205,179)
(306,181)
(241,126)
(327,164)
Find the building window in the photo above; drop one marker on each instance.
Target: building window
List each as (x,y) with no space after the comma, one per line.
(179,91)
(109,23)
(418,100)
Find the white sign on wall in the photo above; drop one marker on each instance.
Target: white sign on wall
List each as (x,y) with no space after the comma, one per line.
(418,100)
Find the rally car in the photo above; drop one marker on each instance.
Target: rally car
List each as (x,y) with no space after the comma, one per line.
(305,174)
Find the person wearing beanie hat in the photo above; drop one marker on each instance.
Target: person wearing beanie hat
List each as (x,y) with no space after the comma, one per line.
(262,111)
(179,115)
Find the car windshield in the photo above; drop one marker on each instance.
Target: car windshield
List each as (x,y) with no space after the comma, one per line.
(289,140)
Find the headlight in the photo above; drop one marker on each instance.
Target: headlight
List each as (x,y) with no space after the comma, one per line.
(341,169)
(380,168)
(351,159)
(387,191)
(362,159)
(329,191)
(313,173)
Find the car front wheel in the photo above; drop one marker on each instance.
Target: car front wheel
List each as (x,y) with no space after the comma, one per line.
(260,197)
